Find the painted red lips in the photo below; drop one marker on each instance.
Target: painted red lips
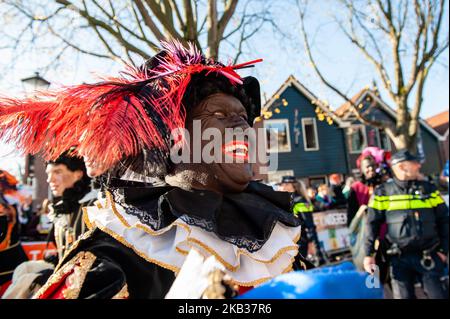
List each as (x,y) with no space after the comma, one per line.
(236,149)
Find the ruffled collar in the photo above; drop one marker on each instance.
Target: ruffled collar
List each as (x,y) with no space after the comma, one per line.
(243,219)
(249,233)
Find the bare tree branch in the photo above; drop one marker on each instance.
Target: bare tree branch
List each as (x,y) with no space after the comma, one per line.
(133,28)
(178,14)
(149,21)
(393,22)
(228,13)
(76,47)
(104,26)
(379,67)
(326,82)
(191,24)
(166,22)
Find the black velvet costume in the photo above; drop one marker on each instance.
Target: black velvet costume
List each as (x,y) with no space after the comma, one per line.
(245,219)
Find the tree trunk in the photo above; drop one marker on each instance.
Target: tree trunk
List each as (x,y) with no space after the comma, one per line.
(213,41)
(405,141)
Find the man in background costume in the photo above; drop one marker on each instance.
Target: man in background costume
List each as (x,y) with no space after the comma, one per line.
(141,233)
(71,190)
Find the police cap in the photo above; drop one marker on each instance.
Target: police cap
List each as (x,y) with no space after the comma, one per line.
(403,156)
(288,179)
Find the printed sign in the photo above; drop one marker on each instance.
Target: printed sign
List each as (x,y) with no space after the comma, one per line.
(35,250)
(331,227)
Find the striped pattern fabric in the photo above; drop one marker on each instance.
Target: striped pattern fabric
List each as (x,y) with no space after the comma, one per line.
(404,202)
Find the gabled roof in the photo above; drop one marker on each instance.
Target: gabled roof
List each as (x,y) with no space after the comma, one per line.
(439,122)
(292,81)
(344,110)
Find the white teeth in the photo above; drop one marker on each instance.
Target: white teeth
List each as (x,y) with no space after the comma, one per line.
(237,148)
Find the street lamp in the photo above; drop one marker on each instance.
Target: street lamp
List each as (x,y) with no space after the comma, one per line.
(34,165)
(34,83)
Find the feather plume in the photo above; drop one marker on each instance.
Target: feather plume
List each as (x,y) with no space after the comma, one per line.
(116,118)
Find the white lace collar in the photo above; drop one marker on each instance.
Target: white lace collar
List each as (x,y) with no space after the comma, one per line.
(169,246)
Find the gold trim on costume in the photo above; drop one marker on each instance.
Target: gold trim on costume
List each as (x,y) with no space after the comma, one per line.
(176,269)
(85,218)
(251,283)
(115,211)
(73,247)
(189,241)
(76,279)
(210,250)
(239,253)
(181,251)
(162,231)
(98,204)
(85,259)
(122,294)
(129,245)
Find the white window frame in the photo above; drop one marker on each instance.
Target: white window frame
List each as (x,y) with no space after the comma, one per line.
(364,138)
(284,121)
(315,132)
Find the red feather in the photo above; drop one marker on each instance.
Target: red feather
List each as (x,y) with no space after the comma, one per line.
(113,119)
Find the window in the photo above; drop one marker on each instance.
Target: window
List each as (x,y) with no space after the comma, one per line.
(315,182)
(277,136)
(378,138)
(310,138)
(356,137)
(373,137)
(385,142)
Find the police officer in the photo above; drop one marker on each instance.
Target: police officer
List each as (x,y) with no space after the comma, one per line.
(417,220)
(303,209)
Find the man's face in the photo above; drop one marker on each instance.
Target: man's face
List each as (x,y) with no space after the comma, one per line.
(61,178)
(407,170)
(368,168)
(221,111)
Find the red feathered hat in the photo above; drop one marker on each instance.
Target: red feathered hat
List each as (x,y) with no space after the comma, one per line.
(120,118)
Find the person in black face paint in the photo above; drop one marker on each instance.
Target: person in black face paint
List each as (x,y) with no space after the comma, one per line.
(141,232)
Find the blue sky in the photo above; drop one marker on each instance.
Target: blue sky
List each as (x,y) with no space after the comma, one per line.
(338,59)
